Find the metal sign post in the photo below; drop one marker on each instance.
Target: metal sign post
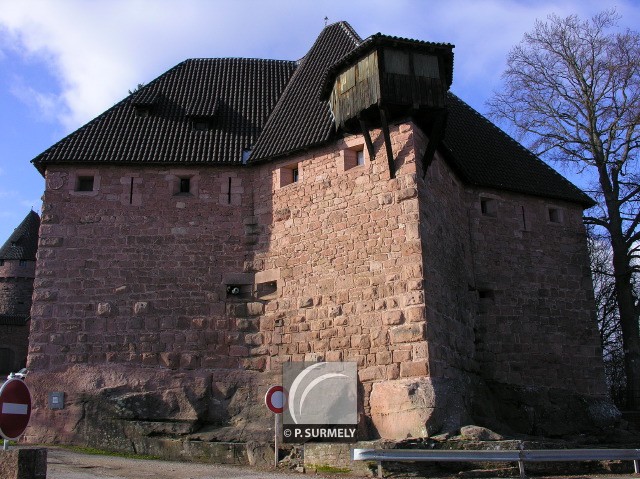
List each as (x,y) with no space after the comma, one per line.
(275,399)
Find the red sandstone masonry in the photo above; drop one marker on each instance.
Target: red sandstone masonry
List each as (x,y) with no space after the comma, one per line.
(367,269)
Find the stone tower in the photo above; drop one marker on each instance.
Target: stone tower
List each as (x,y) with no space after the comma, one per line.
(17,271)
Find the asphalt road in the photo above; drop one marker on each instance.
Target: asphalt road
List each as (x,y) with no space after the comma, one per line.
(63,464)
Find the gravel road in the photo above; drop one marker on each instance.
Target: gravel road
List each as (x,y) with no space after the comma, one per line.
(63,464)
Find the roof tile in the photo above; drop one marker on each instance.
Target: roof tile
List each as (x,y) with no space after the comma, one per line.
(23,242)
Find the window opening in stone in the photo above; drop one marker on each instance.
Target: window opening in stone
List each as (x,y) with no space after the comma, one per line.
(554,215)
(288,174)
(485,294)
(1,262)
(488,207)
(185,185)
(238,291)
(85,183)
(131,192)
(360,157)
(22,262)
(267,289)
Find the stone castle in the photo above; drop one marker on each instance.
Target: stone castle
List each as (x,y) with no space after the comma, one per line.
(17,271)
(235,214)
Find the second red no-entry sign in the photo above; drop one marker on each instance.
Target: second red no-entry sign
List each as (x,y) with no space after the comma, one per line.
(15,408)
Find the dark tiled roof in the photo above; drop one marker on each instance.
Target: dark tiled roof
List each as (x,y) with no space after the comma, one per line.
(486,156)
(300,119)
(13,320)
(236,94)
(23,242)
(274,107)
(380,40)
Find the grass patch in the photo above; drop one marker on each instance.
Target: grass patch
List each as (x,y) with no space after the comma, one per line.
(325,469)
(101,452)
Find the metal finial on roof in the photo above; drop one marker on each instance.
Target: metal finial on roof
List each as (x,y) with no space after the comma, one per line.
(326,20)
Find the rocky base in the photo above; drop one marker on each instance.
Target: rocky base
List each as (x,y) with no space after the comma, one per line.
(122,408)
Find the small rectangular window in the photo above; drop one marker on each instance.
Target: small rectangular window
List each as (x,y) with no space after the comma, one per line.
(22,262)
(1,262)
(85,183)
(485,294)
(267,290)
(287,175)
(488,207)
(351,157)
(185,185)
(555,215)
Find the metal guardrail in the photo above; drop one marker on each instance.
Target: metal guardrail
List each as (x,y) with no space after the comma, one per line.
(519,456)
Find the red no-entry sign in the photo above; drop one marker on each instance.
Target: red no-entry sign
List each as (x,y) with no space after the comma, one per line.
(15,408)
(275,399)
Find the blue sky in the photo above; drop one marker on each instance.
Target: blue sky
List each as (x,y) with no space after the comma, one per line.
(64,62)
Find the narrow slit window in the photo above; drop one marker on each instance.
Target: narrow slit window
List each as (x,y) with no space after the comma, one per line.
(131,192)
(185,185)
(360,157)
(294,175)
(85,183)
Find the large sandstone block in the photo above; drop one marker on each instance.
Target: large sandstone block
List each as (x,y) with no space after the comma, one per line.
(417,407)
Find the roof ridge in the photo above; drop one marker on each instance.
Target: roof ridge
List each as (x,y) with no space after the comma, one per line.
(334,38)
(350,31)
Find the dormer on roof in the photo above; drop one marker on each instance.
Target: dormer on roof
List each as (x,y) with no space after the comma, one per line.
(202,112)
(386,79)
(144,100)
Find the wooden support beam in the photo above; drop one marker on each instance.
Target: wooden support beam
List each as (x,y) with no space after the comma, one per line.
(435,136)
(387,142)
(367,138)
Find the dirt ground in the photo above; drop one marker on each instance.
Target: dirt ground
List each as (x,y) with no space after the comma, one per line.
(65,464)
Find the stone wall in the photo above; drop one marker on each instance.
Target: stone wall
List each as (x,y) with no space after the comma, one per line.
(345,244)
(537,323)
(193,301)
(16,290)
(133,272)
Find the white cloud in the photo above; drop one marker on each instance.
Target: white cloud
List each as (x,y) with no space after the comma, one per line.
(99,50)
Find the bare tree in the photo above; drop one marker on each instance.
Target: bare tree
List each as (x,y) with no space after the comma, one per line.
(572,91)
(607,314)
